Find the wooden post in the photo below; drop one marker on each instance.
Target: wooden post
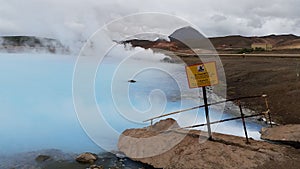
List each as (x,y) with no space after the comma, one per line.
(207,113)
(268,109)
(244,123)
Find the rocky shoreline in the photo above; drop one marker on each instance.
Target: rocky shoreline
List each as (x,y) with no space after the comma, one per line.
(57,159)
(194,150)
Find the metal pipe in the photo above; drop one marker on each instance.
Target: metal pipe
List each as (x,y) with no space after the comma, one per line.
(220,121)
(197,107)
(244,123)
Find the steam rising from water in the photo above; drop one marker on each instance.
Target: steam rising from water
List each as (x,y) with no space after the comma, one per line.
(37,108)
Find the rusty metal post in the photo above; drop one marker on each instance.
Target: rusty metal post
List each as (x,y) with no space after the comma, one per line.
(244,123)
(207,113)
(268,108)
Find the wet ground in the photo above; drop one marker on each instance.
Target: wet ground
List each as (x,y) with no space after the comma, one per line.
(61,160)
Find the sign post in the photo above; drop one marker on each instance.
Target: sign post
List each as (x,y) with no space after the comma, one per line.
(207,113)
(202,75)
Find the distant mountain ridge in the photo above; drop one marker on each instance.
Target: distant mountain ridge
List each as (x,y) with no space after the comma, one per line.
(181,39)
(188,37)
(288,41)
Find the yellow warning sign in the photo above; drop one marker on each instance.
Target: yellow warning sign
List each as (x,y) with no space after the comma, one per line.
(200,75)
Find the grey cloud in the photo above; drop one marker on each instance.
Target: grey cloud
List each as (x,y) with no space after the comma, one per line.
(71,20)
(218,18)
(255,22)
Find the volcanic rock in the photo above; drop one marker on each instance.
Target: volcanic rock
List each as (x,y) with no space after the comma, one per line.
(87,158)
(285,134)
(178,149)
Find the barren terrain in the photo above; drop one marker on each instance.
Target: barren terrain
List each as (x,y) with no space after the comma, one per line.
(275,76)
(177,149)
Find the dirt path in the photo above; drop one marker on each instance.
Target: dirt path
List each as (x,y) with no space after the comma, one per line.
(276,77)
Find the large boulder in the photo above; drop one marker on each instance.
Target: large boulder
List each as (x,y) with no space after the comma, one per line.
(177,149)
(164,125)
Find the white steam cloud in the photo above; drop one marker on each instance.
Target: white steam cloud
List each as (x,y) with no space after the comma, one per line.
(73,21)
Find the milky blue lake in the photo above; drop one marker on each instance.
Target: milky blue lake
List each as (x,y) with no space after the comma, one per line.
(37,111)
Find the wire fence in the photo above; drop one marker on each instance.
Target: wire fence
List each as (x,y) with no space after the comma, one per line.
(266,114)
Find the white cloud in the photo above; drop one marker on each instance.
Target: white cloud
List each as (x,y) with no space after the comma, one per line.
(70,20)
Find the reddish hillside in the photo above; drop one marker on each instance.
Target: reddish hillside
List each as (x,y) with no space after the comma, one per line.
(290,44)
(278,41)
(187,37)
(231,42)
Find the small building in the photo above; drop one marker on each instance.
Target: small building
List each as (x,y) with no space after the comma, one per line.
(264,46)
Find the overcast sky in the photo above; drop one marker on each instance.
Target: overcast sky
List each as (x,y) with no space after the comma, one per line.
(80,18)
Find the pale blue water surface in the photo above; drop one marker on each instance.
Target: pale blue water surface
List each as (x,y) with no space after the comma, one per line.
(37,112)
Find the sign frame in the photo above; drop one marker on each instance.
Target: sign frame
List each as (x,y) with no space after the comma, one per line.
(187,68)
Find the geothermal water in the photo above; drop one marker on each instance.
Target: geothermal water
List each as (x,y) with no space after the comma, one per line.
(37,111)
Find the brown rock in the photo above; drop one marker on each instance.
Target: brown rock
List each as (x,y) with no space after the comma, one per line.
(42,158)
(87,158)
(286,134)
(163,125)
(96,167)
(178,149)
